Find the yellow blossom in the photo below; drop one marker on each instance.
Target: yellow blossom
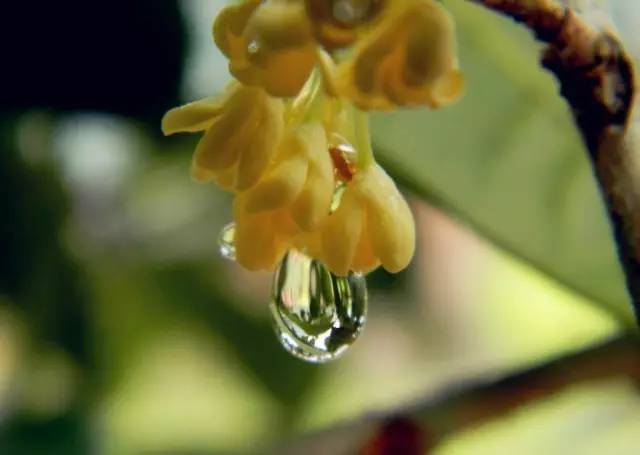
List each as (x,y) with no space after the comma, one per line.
(373,225)
(404,51)
(268,43)
(293,196)
(282,157)
(407,58)
(242,129)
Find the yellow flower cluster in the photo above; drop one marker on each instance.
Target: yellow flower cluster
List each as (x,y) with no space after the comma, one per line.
(290,136)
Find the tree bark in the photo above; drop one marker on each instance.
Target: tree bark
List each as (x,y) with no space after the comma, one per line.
(597,80)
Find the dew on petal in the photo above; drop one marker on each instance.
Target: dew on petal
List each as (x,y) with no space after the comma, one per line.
(226,245)
(253,47)
(337,197)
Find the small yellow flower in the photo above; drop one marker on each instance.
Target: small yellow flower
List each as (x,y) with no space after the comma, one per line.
(228,34)
(242,129)
(404,51)
(373,225)
(293,196)
(408,58)
(268,43)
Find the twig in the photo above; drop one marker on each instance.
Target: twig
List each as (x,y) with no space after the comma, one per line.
(469,404)
(596,79)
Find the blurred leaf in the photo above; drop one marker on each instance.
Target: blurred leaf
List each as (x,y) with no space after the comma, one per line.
(592,418)
(252,340)
(507,160)
(136,302)
(36,270)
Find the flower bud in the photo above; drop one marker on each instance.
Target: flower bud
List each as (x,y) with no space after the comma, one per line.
(408,59)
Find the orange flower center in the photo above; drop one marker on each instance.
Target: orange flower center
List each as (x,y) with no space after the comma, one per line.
(343,168)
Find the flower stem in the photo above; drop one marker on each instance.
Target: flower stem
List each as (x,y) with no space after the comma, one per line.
(310,103)
(363,140)
(301,103)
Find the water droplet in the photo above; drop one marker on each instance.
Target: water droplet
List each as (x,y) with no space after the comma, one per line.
(317,315)
(253,47)
(337,197)
(225,242)
(352,12)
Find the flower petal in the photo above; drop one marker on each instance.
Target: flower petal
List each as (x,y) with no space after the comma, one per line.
(220,147)
(328,71)
(230,25)
(226,178)
(408,58)
(280,186)
(284,72)
(201,174)
(447,88)
(390,222)
(190,118)
(259,152)
(430,44)
(314,202)
(258,244)
(279,25)
(341,234)
(365,260)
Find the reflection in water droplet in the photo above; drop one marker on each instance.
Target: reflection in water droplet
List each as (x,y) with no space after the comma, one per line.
(317,315)
(253,47)
(351,12)
(225,242)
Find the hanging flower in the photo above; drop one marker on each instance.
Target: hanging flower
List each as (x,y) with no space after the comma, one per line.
(407,59)
(269,44)
(373,225)
(404,51)
(242,129)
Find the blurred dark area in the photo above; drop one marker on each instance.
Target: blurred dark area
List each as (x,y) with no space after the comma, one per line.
(121,56)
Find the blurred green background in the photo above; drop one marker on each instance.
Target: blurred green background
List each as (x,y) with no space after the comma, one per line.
(123,332)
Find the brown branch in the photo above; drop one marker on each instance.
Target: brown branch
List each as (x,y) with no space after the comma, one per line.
(596,79)
(422,426)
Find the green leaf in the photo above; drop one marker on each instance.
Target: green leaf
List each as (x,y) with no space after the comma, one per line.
(508,161)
